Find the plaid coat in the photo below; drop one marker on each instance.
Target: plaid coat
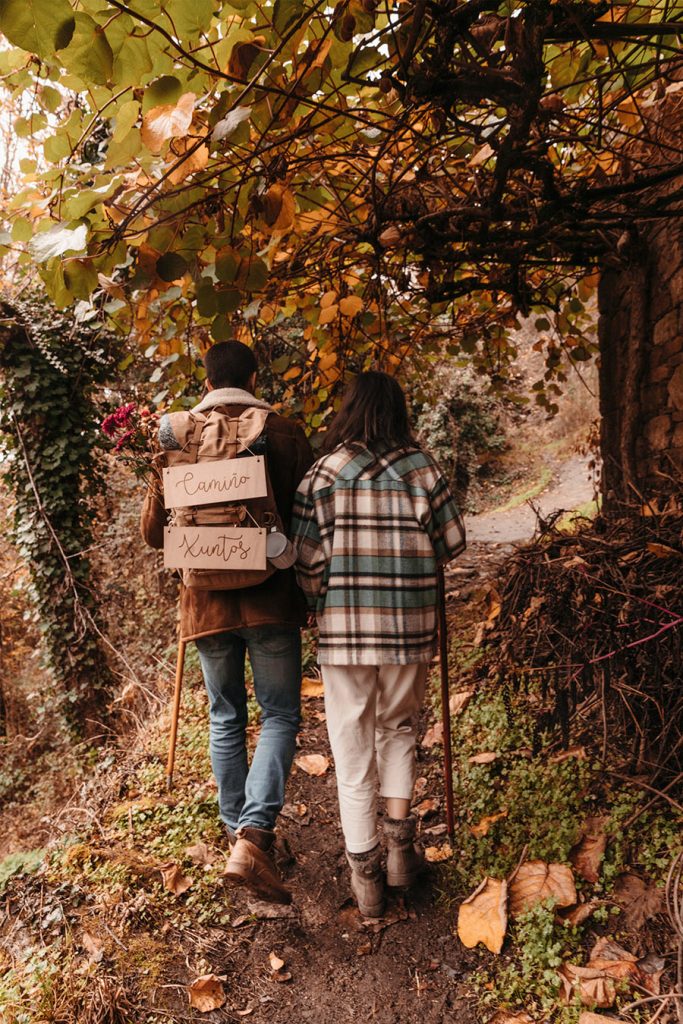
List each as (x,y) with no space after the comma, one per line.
(370,531)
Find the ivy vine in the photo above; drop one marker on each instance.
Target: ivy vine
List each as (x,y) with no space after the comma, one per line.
(51,368)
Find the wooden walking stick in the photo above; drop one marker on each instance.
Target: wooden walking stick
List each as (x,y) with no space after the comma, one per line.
(180,666)
(445,706)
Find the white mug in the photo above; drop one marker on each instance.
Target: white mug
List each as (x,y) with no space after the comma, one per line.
(279,550)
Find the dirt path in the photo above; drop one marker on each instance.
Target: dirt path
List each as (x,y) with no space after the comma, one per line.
(570,489)
(406,968)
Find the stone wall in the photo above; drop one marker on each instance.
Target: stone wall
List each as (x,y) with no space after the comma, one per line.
(641,377)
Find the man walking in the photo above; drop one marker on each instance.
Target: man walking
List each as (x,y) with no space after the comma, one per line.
(263,620)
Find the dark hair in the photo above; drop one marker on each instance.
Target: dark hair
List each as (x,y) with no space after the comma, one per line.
(372,413)
(229,364)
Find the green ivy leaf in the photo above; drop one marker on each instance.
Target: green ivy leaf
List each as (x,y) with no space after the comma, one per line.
(285,13)
(88,55)
(37,26)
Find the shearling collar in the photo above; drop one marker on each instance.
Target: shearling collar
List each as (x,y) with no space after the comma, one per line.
(230,396)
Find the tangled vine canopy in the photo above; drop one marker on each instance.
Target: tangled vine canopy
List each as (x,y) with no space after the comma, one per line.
(393,172)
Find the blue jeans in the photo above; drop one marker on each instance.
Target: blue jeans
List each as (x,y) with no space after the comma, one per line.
(252,795)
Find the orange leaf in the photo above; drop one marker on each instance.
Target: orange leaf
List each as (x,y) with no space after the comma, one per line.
(328,299)
(328,314)
(483,827)
(351,305)
(169,121)
(436,854)
(313,764)
(207,993)
(483,916)
(311,687)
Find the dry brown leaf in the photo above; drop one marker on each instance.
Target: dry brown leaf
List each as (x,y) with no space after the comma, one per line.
(207,993)
(276,964)
(196,160)
(313,764)
(249,1008)
(639,901)
(169,121)
(311,687)
(483,916)
(565,755)
(596,1018)
(536,881)
(420,787)
(483,827)
(486,757)
(592,986)
(493,605)
(93,946)
(608,956)
(199,853)
(436,854)
(174,880)
(577,915)
(296,812)
(281,976)
(433,735)
(587,854)
(426,807)
(661,550)
(459,701)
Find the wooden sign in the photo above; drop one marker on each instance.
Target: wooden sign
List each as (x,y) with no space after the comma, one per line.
(214,547)
(207,483)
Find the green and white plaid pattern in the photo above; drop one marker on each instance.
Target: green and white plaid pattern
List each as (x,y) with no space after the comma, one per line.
(370,531)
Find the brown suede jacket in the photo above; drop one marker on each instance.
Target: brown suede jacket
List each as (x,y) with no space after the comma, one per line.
(277,601)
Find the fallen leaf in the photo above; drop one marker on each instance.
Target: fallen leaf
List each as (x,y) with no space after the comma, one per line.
(483,916)
(270,911)
(426,807)
(249,1008)
(296,812)
(459,701)
(281,976)
(617,962)
(93,946)
(436,830)
(587,854)
(433,735)
(276,963)
(662,550)
(313,764)
(593,987)
(174,880)
(483,827)
(376,925)
(364,949)
(639,902)
(536,881)
(486,757)
(565,755)
(207,993)
(596,1018)
(199,853)
(420,787)
(436,854)
(311,687)
(577,915)
(493,605)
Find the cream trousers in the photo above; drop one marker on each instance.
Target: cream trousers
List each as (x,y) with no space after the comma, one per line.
(372,713)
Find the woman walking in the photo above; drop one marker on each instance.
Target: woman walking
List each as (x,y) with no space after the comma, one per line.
(373,518)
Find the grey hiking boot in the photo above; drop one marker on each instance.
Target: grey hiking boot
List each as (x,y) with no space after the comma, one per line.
(367,881)
(405,860)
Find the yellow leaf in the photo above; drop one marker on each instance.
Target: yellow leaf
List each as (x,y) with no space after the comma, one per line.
(351,305)
(207,993)
(311,687)
(328,314)
(291,374)
(313,764)
(436,854)
(327,360)
(483,827)
(483,916)
(536,881)
(169,121)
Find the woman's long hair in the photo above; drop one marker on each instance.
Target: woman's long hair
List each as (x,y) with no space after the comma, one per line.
(373,413)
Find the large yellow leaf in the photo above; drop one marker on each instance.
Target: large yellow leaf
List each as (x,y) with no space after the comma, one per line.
(483,916)
(169,121)
(536,881)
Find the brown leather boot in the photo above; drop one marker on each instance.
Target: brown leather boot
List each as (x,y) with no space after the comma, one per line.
(367,881)
(405,860)
(251,864)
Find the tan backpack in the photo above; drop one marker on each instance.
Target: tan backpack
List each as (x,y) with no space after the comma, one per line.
(212,436)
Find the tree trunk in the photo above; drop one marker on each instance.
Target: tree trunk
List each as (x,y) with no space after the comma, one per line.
(641,371)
